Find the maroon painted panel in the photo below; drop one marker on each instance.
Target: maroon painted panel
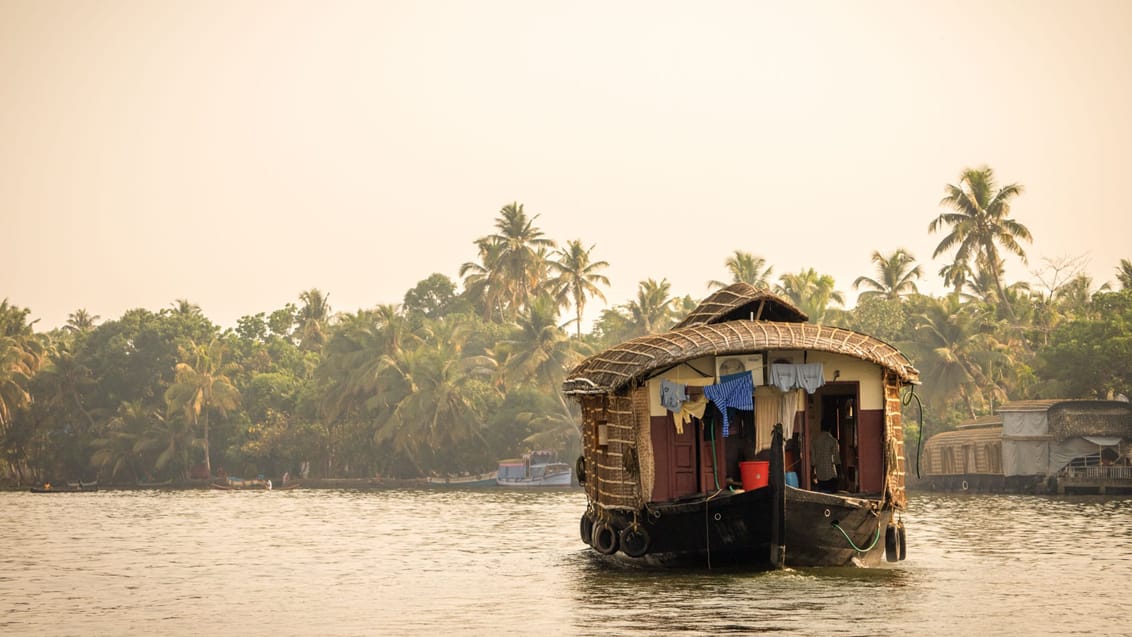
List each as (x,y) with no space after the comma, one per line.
(674,456)
(870,438)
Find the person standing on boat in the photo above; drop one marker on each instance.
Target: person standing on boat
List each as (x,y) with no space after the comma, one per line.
(826,453)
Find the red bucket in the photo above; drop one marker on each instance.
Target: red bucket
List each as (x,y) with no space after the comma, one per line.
(755,474)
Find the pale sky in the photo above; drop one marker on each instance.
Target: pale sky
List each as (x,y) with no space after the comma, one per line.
(236,153)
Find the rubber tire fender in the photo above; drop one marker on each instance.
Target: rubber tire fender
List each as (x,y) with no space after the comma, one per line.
(604,539)
(634,540)
(891,543)
(580,469)
(901,545)
(586,527)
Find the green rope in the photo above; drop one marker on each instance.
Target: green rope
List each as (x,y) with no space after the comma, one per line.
(714,459)
(850,540)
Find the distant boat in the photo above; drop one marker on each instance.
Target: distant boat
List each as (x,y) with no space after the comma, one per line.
(48,488)
(241,484)
(1036,446)
(480,480)
(535,469)
(160,483)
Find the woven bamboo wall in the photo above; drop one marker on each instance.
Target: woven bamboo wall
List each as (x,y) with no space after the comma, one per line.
(894,442)
(613,468)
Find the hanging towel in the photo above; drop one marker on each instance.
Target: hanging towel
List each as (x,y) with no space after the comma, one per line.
(672,395)
(688,410)
(734,390)
(784,376)
(810,377)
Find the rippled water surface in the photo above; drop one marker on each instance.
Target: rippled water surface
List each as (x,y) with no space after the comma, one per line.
(412,562)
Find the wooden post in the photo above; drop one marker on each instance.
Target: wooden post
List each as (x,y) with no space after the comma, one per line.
(777,479)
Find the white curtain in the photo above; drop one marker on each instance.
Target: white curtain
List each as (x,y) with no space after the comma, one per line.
(789,407)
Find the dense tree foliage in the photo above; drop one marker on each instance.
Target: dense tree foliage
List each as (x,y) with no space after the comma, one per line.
(458,377)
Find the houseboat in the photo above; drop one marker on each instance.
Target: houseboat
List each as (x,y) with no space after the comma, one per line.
(744,436)
(1036,446)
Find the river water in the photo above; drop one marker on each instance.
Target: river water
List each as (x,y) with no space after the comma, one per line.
(494,561)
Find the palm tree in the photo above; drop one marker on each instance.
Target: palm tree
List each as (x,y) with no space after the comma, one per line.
(811,292)
(118,450)
(980,224)
(437,396)
(164,447)
(513,263)
(186,307)
(482,280)
(538,351)
(201,385)
(577,278)
(20,359)
(896,277)
(955,349)
(312,319)
(81,321)
(1124,274)
(745,268)
(651,312)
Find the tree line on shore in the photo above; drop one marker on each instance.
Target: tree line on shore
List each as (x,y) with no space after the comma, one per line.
(458,376)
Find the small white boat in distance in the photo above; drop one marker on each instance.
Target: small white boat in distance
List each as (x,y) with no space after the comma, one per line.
(535,469)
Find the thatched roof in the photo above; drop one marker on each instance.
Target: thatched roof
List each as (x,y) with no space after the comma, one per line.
(640,357)
(743,301)
(1090,418)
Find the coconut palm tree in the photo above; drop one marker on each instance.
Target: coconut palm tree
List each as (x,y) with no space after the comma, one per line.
(483,280)
(577,278)
(980,224)
(20,359)
(185,307)
(745,268)
(1124,274)
(811,292)
(955,348)
(651,311)
(538,351)
(118,450)
(312,319)
(81,321)
(438,397)
(513,263)
(201,384)
(22,353)
(896,276)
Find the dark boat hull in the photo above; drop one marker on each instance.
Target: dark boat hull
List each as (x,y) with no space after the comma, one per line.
(64,490)
(734,529)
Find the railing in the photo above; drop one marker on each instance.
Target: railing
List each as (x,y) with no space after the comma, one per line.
(1106,472)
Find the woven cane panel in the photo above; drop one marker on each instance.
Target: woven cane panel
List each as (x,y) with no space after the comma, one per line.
(894,441)
(615,487)
(645,459)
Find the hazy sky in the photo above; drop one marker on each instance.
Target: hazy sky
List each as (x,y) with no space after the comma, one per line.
(235,153)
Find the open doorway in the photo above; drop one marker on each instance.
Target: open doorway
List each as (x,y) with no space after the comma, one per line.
(835,464)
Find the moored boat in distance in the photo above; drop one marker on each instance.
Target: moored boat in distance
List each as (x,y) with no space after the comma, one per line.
(1035,446)
(534,469)
(77,487)
(744,436)
(232,483)
(479,480)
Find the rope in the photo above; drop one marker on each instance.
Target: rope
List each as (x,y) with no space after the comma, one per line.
(714,458)
(920,438)
(851,543)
